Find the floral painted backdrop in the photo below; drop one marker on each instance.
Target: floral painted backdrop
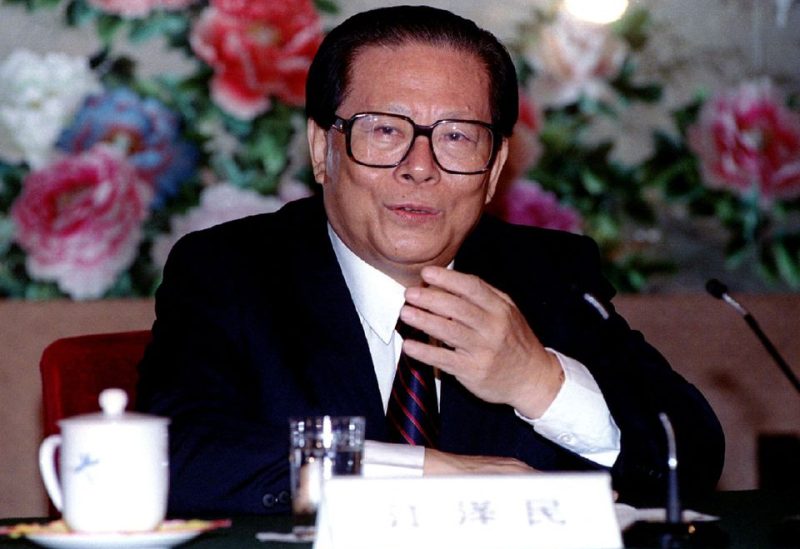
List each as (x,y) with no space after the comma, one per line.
(103,169)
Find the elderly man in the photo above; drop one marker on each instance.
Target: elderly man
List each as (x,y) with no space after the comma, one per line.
(525,362)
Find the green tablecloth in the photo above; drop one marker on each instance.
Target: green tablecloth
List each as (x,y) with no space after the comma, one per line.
(749,518)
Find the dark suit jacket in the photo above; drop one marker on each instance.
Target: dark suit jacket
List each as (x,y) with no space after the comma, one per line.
(254,324)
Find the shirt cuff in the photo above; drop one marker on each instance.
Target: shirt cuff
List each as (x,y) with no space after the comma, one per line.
(578,419)
(384,459)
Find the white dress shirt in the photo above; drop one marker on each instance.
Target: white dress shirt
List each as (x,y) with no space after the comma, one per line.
(578,419)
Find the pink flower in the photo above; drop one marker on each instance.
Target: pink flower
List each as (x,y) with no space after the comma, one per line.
(138,8)
(526,203)
(747,140)
(573,58)
(218,203)
(79,220)
(257,49)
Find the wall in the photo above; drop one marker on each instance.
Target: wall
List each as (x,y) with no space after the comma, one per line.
(711,346)
(25,330)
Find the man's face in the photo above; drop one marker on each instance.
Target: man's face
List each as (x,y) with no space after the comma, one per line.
(403,218)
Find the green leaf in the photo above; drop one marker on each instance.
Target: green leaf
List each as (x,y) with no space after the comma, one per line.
(10,286)
(624,85)
(633,26)
(7,232)
(604,228)
(271,150)
(107,27)
(646,93)
(787,262)
(41,291)
(79,13)
(120,71)
(11,177)
(751,217)
(158,24)
(737,252)
(793,101)
(592,183)
(32,5)
(229,170)
(686,116)
(326,6)
(122,287)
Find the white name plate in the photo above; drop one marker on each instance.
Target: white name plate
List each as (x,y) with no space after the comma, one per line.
(543,511)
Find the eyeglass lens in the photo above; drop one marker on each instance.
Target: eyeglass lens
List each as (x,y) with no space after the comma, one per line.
(383,140)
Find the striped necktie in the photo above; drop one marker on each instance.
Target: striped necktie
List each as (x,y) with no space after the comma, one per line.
(412,416)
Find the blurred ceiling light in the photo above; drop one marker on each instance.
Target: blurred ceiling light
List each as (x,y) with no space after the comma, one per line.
(596,11)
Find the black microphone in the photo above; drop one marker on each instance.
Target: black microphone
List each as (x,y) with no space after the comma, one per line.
(674,533)
(673,503)
(720,291)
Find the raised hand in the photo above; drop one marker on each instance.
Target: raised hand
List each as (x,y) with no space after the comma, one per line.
(487,343)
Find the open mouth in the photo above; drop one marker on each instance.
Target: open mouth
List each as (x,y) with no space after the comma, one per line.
(413,209)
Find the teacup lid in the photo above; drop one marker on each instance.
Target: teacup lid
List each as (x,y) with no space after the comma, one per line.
(113,403)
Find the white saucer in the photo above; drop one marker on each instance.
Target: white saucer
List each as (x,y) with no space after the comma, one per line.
(170,534)
(148,540)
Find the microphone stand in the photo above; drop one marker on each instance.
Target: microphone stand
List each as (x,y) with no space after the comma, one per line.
(674,533)
(673,498)
(720,291)
(787,532)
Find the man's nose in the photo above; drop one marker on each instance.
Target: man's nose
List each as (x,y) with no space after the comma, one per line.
(419,164)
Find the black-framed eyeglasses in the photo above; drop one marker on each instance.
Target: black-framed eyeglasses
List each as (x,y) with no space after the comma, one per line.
(383,140)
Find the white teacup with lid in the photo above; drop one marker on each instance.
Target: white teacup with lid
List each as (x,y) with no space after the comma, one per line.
(114,473)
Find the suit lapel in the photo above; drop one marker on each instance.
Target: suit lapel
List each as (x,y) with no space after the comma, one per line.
(338,362)
(501,258)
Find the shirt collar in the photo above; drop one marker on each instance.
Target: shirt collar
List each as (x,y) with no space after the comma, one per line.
(377,297)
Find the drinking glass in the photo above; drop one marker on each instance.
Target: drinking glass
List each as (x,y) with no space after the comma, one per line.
(320,447)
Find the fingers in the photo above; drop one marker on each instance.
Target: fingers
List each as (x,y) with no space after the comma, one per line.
(448,330)
(488,346)
(469,287)
(455,308)
(443,463)
(444,358)
(462,297)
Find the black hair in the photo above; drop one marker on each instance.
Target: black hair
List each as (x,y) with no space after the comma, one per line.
(329,74)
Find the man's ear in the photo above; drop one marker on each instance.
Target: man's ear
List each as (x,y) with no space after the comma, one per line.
(318,149)
(496,170)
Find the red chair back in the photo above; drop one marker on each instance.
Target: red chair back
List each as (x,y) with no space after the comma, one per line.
(75,369)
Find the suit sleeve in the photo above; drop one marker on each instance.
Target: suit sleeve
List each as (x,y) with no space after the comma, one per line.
(223,456)
(638,384)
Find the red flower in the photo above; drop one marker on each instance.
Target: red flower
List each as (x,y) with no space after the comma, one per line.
(79,220)
(258,49)
(747,140)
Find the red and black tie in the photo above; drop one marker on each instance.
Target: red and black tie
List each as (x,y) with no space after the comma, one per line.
(412,416)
